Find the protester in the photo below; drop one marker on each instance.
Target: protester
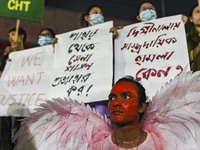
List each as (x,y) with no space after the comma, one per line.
(7,50)
(127,103)
(147,12)
(46,36)
(93,15)
(193,39)
(15,45)
(11,124)
(170,122)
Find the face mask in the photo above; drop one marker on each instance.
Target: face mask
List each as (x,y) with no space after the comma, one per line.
(148,15)
(96,19)
(44,41)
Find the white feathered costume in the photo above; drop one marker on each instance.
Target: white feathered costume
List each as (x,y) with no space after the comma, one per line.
(172,119)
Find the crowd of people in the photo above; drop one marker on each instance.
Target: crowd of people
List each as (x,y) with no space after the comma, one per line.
(94,15)
(127,93)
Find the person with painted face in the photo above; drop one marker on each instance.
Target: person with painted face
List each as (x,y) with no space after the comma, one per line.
(170,122)
(46,36)
(93,15)
(147,12)
(127,103)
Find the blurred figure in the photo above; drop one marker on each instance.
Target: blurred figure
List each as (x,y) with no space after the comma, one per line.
(46,37)
(193,39)
(93,15)
(16,44)
(147,12)
(9,125)
(7,50)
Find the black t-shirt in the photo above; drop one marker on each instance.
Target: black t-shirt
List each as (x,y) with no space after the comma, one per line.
(3,63)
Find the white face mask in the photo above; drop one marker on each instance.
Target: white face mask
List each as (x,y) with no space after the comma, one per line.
(147,15)
(44,40)
(96,19)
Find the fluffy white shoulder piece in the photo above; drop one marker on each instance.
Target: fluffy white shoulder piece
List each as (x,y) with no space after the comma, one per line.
(174,114)
(63,125)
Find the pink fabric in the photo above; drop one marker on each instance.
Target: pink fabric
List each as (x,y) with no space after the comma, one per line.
(107,144)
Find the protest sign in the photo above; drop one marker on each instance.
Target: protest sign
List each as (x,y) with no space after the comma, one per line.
(25,80)
(31,10)
(84,64)
(81,69)
(152,52)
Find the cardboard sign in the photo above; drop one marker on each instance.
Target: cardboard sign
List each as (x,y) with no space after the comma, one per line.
(152,52)
(31,10)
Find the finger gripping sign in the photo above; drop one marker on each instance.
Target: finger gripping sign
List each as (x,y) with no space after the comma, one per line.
(31,10)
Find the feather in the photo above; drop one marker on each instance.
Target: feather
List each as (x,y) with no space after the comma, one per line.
(172,118)
(174,113)
(62,124)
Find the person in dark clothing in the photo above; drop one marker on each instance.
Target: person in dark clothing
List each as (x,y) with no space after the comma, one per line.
(193,39)
(15,44)
(9,125)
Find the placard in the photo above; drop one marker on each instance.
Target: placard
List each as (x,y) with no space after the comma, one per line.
(152,52)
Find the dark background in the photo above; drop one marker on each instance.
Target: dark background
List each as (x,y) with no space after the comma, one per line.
(127,9)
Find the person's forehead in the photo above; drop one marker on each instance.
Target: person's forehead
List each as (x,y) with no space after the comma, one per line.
(144,5)
(95,9)
(45,31)
(124,86)
(12,32)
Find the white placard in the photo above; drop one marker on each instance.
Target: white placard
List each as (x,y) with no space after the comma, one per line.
(83,67)
(25,81)
(152,52)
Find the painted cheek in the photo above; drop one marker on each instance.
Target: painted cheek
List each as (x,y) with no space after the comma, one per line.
(114,118)
(112,104)
(130,108)
(110,107)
